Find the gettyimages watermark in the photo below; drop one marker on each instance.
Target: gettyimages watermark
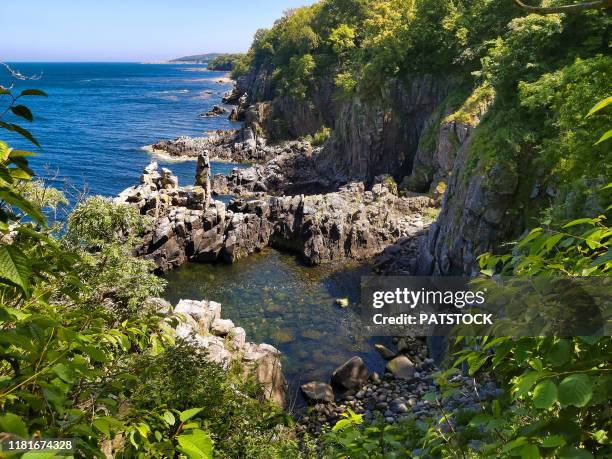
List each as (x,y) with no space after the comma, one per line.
(500,306)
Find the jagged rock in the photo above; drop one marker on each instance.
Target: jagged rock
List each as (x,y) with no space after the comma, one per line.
(351,375)
(401,367)
(263,362)
(202,177)
(316,391)
(351,223)
(222,327)
(215,111)
(220,145)
(238,338)
(203,312)
(204,327)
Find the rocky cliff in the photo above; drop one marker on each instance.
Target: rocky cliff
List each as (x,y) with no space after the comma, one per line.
(188,224)
(411,134)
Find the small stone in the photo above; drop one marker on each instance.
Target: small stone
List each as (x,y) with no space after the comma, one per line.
(401,367)
(343,302)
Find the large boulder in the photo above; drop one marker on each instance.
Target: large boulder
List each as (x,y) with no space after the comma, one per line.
(263,362)
(351,375)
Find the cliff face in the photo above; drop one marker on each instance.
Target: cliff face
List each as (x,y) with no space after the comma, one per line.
(374,138)
(410,135)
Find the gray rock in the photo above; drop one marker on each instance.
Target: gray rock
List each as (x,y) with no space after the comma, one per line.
(316,391)
(401,367)
(351,375)
(384,352)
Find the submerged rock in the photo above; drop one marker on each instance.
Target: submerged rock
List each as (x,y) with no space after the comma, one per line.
(215,111)
(316,391)
(343,302)
(384,352)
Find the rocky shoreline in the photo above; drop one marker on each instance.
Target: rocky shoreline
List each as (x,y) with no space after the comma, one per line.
(189,225)
(406,391)
(288,200)
(225,344)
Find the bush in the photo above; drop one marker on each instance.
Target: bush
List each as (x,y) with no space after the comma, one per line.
(241,426)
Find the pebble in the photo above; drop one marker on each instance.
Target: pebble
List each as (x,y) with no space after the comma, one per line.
(400,399)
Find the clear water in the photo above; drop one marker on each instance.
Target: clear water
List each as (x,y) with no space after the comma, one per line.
(279,301)
(92,128)
(98,116)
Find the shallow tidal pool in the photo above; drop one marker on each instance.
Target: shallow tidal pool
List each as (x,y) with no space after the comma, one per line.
(279,301)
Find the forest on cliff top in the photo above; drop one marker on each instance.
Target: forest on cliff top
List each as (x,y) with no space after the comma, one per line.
(86,354)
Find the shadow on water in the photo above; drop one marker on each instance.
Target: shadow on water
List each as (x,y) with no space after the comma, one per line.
(278,300)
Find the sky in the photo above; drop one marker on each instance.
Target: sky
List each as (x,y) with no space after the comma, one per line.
(131,30)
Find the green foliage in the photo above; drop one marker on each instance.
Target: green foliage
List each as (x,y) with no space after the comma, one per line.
(225,62)
(351,438)
(105,235)
(239,424)
(320,136)
(83,355)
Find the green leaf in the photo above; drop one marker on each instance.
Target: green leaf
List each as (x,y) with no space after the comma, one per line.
(524,383)
(188,414)
(530,452)
(600,106)
(196,445)
(18,201)
(580,221)
(169,418)
(20,154)
(103,425)
(514,444)
(5,150)
(22,111)
(11,423)
(33,92)
(604,137)
(569,452)
(14,266)
(601,437)
(575,390)
(39,455)
(553,441)
(23,132)
(545,394)
(559,353)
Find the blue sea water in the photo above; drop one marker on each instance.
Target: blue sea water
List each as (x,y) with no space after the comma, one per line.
(98,116)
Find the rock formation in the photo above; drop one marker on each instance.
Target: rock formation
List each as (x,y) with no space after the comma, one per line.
(225,343)
(351,223)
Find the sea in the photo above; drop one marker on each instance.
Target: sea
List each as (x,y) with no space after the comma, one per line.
(97,118)
(92,128)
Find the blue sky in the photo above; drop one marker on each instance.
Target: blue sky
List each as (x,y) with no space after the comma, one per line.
(130,30)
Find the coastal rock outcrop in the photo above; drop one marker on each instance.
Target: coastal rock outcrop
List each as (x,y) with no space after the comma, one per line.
(225,343)
(351,223)
(235,146)
(291,170)
(215,111)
